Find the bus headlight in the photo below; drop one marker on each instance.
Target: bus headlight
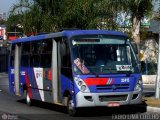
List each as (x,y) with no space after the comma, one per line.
(81,85)
(83,88)
(138,86)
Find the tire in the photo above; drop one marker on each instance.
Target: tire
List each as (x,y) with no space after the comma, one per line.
(28,99)
(72,111)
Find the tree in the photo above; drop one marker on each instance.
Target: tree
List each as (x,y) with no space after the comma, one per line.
(52,15)
(2,22)
(136,8)
(19,14)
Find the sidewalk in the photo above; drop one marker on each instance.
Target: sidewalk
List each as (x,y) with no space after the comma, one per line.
(4,74)
(153,109)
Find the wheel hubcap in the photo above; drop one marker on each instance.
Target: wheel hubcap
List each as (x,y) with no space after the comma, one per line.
(28,98)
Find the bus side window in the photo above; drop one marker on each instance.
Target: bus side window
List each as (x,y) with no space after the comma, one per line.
(35,60)
(35,53)
(46,47)
(12,55)
(25,57)
(36,47)
(46,55)
(26,48)
(65,54)
(65,58)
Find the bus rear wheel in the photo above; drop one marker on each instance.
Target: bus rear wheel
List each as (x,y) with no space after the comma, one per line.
(28,99)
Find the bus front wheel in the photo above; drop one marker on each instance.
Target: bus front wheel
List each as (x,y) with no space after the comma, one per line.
(70,107)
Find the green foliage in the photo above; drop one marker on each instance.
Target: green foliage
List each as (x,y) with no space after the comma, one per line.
(149,68)
(2,22)
(52,15)
(13,21)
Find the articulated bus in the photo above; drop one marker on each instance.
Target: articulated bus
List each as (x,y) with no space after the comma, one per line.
(76,68)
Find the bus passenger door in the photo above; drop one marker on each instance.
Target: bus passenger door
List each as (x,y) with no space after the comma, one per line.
(61,69)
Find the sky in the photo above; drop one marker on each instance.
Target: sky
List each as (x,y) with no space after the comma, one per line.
(6,4)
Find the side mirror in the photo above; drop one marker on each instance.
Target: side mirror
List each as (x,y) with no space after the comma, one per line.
(135,48)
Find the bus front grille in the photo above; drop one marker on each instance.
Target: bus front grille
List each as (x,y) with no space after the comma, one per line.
(105,98)
(113,87)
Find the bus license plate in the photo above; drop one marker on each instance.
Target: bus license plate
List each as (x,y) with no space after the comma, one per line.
(113,104)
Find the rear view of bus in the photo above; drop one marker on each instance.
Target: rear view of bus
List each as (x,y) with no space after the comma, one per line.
(105,71)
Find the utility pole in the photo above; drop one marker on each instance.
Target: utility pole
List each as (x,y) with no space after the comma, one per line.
(158,72)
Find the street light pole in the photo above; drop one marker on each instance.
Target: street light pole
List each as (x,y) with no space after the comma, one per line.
(158,72)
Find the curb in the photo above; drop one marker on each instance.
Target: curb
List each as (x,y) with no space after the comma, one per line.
(148,84)
(153,109)
(149,108)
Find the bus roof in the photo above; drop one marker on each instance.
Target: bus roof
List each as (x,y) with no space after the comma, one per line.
(69,34)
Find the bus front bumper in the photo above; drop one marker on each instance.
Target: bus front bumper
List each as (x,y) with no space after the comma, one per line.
(103,99)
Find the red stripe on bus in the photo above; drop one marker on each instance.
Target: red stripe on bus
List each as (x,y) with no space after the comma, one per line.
(27,83)
(96,81)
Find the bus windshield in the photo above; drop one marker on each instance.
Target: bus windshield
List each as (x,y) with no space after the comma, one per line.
(103,55)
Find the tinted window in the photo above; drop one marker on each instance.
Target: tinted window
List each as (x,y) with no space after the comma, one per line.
(36,47)
(46,46)
(35,60)
(25,54)
(46,60)
(12,55)
(37,54)
(46,53)
(25,60)
(26,48)
(65,58)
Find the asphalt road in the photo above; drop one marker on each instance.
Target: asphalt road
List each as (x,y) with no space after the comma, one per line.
(14,107)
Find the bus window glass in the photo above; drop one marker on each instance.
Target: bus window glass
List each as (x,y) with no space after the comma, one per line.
(65,54)
(65,58)
(26,47)
(102,54)
(46,55)
(13,50)
(35,60)
(25,60)
(25,54)
(46,60)
(35,54)
(12,55)
(36,47)
(46,46)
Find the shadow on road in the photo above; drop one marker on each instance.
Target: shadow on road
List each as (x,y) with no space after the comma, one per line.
(148,94)
(105,111)
(92,112)
(45,105)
